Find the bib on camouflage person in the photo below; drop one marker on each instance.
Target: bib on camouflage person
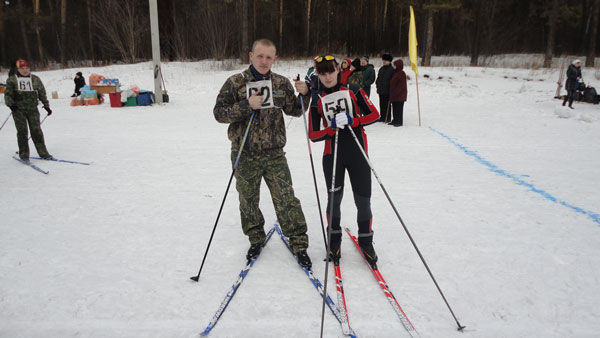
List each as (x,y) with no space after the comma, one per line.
(263,88)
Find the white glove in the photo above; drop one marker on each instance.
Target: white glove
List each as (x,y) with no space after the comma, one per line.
(341,120)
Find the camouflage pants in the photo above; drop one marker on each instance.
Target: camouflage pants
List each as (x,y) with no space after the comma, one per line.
(31,117)
(276,173)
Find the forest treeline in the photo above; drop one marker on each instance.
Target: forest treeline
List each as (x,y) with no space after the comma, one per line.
(72,32)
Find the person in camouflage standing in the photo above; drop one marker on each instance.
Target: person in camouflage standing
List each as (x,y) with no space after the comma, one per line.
(23,91)
(263,156)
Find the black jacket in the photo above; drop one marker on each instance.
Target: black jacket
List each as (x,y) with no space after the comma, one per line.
(384,76)
(573,74)
(79,83)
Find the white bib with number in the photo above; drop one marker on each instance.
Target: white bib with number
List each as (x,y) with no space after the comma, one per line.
(263,88)
(334,103)
(24,84)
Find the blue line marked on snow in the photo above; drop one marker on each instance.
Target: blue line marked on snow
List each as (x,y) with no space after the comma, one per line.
(518,178)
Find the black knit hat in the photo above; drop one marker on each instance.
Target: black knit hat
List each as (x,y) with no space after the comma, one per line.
(387,57)
(356,63)
(79,73)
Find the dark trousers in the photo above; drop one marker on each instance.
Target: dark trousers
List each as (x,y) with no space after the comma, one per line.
(570,96)
(398,113)
(385,113)
(350,159)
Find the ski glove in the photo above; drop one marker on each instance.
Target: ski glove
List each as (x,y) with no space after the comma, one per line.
(341,120)
(48,110)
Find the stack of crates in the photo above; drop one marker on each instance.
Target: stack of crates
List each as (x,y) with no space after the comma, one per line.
(90,97)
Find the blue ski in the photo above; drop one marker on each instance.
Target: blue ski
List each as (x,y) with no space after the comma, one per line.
(233,289)
(31,165)
(317,284)
(57,160)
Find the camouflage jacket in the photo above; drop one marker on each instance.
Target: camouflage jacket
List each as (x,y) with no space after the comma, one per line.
(25,100)
(356,78)
(267,133)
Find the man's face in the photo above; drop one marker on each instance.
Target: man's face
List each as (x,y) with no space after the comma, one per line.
(25,71)
(263,58)
(329,79)
(363,62)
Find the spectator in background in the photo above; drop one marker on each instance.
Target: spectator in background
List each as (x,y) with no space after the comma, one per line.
(368,72)
(572,83)
(384,77)
(398,93)
(346,71)
(355,77)
(79,83)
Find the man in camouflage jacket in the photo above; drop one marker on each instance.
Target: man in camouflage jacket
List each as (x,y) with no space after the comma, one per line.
(23,91)
(263,156)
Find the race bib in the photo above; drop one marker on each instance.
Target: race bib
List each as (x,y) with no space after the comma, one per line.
(24,84)
(263,88)
(338,102)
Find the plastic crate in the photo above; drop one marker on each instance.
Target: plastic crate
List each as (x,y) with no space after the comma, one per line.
(115,100)
(145,99)
(131,101)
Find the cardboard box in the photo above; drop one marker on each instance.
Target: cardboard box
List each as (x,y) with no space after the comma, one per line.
(104,89)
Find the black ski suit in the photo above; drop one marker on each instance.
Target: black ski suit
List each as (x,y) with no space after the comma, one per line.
(349,156)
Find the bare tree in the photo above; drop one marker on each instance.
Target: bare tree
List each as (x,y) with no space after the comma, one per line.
(24,37)
(63,29)
(476,34)
(244,47)
(551,34)
(214,32)
(2,34)
(37,23)
(123,23)
(90,30)
(428,39)
(385,10)
(307,32)
(280,25)
(432,7)
(591,55)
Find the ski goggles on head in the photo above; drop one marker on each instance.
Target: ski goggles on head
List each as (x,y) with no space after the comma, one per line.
(326,58)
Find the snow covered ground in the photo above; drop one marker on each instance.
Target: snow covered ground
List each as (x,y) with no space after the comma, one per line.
(499,188)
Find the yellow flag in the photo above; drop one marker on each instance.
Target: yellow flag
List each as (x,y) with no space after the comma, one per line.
(412,42)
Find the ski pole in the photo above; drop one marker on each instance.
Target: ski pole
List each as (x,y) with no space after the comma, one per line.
(9,115)
(330,220)
(460,327)
(44,119)
(312,166)
(237,159)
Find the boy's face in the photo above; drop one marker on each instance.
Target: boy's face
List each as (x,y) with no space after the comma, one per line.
(263,57)
(363,62)
(329,79)
(25,71)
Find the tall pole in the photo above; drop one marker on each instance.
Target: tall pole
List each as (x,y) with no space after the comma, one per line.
(155,50)
(418,100)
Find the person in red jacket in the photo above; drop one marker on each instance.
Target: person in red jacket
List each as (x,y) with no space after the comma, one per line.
(398,93)
(341,108)
(346,71)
